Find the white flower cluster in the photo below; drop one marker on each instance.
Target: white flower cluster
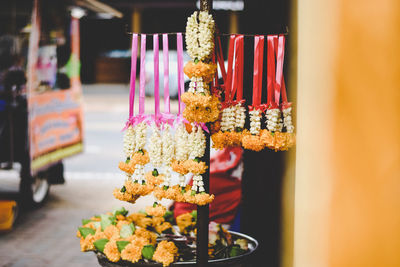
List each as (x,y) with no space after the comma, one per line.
(129,141)
(274,122)
(181,141)
(138,174)
(155,148)
(228,119)
(255,121)
(168,148)
(197,141)
(197,85)
(198,183)
(240,116)
(168,151)
(140,136)
(287,119)
(199,35)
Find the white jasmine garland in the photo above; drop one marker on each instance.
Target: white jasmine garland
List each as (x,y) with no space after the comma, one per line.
(197,85)
(138,174)
(182,180)
(228,119)
(273,116)
(200,35)
(197,143)
(255,121)
(240,116)
(140,136)
(181,141)
(198,183)
(155,148)
(168,148)
(287,119)
(129,141)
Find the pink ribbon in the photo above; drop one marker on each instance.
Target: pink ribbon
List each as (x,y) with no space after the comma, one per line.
(181,83)
(166,73)
(142,83)
(133,75)
(156,78)
(133,79)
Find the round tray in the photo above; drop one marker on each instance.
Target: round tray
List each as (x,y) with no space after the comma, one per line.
(237,261)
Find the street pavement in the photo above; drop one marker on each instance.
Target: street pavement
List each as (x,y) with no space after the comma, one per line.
(46,236)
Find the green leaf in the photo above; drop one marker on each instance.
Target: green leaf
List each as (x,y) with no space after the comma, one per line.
(141,151)
(105,221)
(128,159)
(123,189)
(85,231)
(127,230)
(165,187)
(120,211)
(148,251)
(154,173)
(197,159)
(155,204)
(86,221)
(122,244)
(194,214)
(193,193)
(236,251)
(100,244)
(196,60)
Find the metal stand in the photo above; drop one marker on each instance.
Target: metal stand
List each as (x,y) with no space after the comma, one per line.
(203,211)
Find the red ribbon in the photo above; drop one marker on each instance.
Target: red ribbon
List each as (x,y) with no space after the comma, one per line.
(271,71)
(280,55)
(228,81)
(258,66)
(237,82)
(220,58)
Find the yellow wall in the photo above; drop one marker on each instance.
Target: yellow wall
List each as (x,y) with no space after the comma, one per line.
(347,193)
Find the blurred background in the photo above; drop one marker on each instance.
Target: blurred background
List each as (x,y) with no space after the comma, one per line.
(331,201)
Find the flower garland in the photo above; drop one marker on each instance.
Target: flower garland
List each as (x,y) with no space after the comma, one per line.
(200,35)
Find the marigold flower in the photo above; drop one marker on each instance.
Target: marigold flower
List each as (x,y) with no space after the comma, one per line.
(126,167)
(141,158)
(195,167)
(87,243)
(124,196)
(132,253)
(122,223)
(138,189)
(165,253)
(290,139)
(252,142)
(111,251)
(280,141)
(203,199)
(162,227)
(200,69)
(154,180)
(219,140)
(158,210)
(111,231)
(267,138)
(179,167)
(99,234)
(185,222)
(149,236)
(233,139)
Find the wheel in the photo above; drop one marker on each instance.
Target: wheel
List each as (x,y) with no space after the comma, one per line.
(34,190)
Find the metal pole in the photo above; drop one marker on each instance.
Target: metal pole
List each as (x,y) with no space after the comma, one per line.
(203,211)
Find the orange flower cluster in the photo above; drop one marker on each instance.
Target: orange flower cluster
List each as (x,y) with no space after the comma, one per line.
(186,222)
(184,167)
(228,139)
(141,158)
(200,108)
(157,211)
(184,195)
(200,69)
(154,180)
(166,253)
(277,141)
